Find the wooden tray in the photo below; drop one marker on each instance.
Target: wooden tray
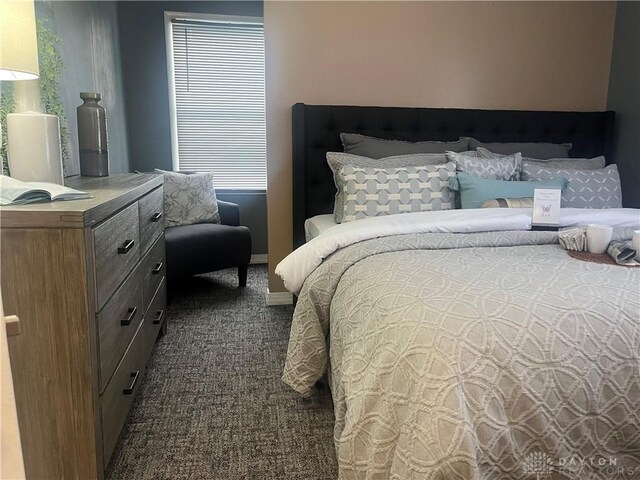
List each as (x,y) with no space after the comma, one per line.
(603,258)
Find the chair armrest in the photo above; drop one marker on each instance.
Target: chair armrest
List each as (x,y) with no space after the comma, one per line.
(229,213)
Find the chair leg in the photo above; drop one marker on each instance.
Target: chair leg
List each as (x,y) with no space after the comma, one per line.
(242,275)
(163,328)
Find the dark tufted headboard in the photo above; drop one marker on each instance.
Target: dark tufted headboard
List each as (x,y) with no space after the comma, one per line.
(317,128)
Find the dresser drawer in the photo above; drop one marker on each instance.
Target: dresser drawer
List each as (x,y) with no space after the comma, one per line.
(117,323)
(155,317)
(153,270)
(119,394)
(151,220)
(117,250)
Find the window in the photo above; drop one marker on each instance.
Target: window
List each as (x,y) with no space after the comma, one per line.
(216,73)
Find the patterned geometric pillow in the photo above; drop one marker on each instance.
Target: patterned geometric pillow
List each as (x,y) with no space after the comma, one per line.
(189,199)
(587,188)
(499,167)
(337,160)
(371,192)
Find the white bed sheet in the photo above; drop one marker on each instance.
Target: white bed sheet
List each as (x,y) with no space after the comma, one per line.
(314,226)
(299,264)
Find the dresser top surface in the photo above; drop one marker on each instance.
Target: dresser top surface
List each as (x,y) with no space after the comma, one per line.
(110,194)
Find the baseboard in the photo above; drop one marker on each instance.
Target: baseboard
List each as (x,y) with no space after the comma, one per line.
(279,298)
(259,258)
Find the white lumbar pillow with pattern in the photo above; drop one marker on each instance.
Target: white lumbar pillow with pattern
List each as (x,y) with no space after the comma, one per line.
(337,160)
(372,192)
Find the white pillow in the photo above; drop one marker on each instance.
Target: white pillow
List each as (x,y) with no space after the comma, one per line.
(189,199)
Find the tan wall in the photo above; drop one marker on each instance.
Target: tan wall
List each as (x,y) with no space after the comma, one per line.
(520,55)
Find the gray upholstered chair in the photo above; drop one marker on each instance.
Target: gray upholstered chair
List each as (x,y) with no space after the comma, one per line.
(206,247)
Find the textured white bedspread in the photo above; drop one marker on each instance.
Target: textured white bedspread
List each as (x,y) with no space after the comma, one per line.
(488,355)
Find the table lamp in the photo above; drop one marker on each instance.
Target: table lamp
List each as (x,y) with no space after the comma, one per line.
(34,151)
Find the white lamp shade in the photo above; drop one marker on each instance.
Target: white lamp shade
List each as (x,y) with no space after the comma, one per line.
(18,41)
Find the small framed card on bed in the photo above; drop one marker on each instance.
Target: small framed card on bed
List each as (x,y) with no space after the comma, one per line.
(546,209)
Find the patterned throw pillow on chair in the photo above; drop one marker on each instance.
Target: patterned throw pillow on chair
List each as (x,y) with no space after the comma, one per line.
(189,199)
(371,192)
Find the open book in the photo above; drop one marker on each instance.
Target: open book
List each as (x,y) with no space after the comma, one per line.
(15,192)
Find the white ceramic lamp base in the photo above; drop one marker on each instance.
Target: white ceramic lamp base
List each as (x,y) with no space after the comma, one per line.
(34,151)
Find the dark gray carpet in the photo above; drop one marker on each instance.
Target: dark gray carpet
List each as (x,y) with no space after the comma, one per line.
(212,405)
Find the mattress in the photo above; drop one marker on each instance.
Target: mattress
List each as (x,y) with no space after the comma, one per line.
(314,226)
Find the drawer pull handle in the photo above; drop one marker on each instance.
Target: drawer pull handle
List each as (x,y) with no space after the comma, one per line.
(131,313)
(158,268)
(12,324)
(132,385)
(158,319)
(126,246)
(156,217)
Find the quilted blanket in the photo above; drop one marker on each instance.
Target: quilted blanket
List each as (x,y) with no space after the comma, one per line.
(473,356)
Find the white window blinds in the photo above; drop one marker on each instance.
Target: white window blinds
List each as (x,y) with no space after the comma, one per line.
(218,70)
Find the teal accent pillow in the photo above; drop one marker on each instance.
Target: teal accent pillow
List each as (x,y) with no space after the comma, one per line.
(474,191)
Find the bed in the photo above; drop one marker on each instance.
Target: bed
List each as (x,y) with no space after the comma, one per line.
(460,344)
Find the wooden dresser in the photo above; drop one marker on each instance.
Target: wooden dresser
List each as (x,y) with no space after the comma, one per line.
(86,279)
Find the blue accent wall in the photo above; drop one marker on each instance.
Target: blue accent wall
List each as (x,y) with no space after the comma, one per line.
(90,51)
(144,71)
(146,88)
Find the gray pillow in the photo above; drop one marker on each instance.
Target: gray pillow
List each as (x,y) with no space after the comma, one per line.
(189,199)
(577,163)
(468,153)
(503,167)
(378,148)
(540,150)
(337,160)
(587,188)
(595,163)
(372,192)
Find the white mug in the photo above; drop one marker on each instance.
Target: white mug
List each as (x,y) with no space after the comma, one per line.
(598,238)
(636,243)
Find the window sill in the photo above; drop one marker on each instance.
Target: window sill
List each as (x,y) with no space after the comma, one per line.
(241,191)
